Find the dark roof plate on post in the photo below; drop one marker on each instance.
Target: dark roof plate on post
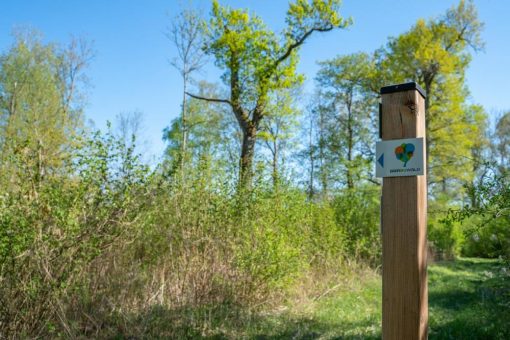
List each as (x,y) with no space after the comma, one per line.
(403,87)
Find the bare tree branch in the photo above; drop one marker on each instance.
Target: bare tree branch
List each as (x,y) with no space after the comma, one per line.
(213,100)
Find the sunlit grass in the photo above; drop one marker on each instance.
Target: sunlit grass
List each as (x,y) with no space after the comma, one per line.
(468,299)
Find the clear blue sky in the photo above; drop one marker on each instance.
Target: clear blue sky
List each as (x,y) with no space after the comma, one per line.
(131,72)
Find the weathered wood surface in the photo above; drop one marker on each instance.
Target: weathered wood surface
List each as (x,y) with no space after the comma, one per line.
(404,227)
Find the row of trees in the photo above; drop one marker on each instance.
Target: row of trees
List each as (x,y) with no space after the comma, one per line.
(327,148)
(261,84)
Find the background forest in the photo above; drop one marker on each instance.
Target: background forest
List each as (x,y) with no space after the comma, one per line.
(265,194)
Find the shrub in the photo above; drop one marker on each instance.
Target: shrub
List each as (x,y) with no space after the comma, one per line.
(52,230)
(357,211)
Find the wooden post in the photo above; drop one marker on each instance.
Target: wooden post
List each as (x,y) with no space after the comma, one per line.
(404,222)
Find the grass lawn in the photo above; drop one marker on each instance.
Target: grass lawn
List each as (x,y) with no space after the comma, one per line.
(468,299)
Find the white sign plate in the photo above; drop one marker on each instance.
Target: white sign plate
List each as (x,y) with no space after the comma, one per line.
(399,157)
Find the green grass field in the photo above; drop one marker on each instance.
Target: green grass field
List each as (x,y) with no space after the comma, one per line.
(468,299)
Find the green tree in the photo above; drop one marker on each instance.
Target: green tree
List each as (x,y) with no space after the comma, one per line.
(212,138)
(502,143)
(435,53)
(346,117)
(480,151)
(486,216)
(41,103)
(256,62)
(278,129)
(318,166)
(307,155)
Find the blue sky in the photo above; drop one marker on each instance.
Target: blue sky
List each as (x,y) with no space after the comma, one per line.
(131,72)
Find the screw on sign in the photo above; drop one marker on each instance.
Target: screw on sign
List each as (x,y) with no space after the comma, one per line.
(404,152)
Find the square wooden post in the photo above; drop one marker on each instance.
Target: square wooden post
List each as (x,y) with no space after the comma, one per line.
(404,222)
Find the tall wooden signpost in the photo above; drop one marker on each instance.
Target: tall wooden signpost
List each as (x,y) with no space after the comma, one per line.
(400,160)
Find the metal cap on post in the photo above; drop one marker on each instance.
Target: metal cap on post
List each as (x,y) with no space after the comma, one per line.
(400,159)
(403,87)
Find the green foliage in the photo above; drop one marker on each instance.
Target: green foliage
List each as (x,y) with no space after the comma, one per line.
(48,242)
(211,136)
(502,143)
(278,129)
(256,62)
(487,222)
(246,48)
(485,219)
(357,211)
(445,239)
(487,238)
(342,147)
(285,235)
(345,110)
(40,107)
(435,54)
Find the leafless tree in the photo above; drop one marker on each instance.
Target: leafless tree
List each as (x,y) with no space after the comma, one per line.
(186,34)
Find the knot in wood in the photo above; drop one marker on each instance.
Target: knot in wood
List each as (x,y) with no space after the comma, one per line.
(411,105)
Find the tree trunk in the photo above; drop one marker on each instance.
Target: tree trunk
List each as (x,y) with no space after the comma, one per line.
(275,166)
(350,143)
(312,161)
(247,154)
(322,156)
(184,122)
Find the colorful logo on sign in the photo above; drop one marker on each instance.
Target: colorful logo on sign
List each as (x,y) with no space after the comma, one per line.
(404,152)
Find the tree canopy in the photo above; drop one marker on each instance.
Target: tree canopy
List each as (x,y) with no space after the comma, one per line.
(256,61)
(435,53)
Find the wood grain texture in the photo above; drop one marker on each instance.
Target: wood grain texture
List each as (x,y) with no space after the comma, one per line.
(404,227)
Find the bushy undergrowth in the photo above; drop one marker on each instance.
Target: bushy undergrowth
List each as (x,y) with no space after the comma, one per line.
(100,246)
(487,237)
(476,230)
(357,210)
